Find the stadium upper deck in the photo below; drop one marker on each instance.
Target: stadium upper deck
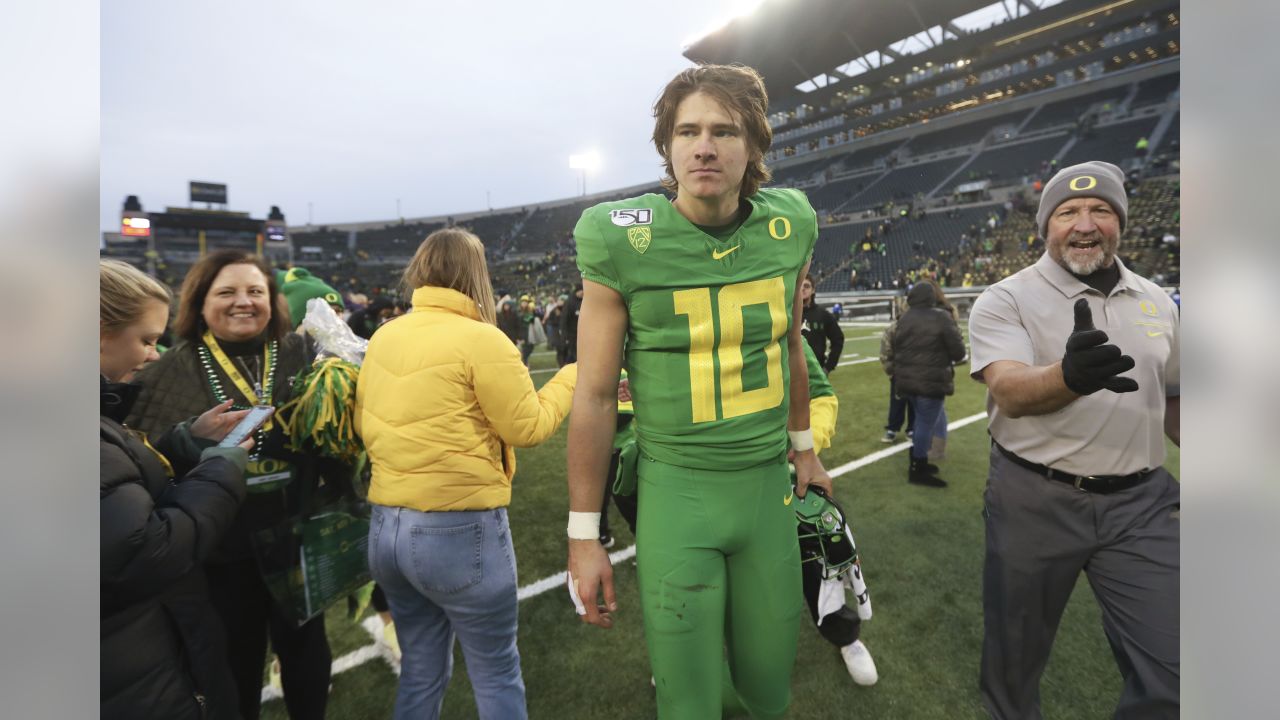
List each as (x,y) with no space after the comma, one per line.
(917,103)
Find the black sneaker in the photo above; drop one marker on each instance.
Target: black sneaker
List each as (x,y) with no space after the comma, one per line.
(606,541)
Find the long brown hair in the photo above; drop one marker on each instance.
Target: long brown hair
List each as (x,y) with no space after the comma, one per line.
(195,287)
(740,90)
(453,258)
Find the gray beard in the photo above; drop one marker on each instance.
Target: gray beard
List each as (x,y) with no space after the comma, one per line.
(1087,268)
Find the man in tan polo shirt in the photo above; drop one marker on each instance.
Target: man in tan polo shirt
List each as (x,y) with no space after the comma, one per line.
(1078,416)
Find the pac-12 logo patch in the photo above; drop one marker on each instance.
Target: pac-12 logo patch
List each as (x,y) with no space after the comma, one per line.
(640,238)
(626,218)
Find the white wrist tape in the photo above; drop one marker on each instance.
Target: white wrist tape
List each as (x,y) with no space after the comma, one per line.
(801,440)
(586,526)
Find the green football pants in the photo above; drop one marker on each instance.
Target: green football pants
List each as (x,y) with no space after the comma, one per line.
(719,567)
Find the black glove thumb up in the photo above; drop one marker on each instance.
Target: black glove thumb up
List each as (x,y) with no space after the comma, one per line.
(1090,365)
(1084,316)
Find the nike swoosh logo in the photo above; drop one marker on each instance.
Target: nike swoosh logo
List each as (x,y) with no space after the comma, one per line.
(1154,333)
(716,254)
(787,500)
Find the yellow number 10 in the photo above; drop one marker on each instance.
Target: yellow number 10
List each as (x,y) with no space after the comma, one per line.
(734,400)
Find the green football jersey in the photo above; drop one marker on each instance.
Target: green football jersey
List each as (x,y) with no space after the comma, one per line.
(706,347)
(819,386)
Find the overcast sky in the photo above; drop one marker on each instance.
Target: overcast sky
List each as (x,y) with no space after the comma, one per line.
(350,106)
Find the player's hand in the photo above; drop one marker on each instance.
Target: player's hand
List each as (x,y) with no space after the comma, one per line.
(624,390)
(216,422)
(589,572)
(809,470)
(1090,363)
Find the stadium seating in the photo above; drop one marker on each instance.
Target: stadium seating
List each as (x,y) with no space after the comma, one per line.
(904,182)
(1011,162)
(1155,91)
(1113,143)
(958,136)
(1068,111)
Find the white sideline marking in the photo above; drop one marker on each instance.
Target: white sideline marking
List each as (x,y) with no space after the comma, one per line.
(557,580)
(894,449)
(373,623)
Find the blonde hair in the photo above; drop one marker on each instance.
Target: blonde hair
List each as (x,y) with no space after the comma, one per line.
(453,258)
(123,293)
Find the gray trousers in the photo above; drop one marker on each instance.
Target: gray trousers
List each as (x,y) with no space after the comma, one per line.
(1040,534)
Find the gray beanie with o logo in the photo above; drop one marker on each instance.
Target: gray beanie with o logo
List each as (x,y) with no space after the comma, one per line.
(1095,179)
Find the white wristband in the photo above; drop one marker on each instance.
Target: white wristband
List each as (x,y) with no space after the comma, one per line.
(801,440)
(584,526)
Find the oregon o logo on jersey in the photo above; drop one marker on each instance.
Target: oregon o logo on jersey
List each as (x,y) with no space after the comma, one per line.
(779,228)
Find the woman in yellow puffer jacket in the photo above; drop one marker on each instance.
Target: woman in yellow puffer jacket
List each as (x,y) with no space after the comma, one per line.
(442,399)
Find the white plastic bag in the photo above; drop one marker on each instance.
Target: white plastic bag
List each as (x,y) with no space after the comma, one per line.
(333,336)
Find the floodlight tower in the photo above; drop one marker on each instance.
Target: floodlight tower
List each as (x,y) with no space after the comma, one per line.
(584,162)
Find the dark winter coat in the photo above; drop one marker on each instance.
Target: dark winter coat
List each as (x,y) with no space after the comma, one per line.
(820,328)
(175,388)
(923,346)
(509,324)
(162,646)
(569,321)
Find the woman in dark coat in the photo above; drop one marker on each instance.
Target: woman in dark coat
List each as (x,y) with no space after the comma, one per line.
(162,514)
(236,344)
(924,347)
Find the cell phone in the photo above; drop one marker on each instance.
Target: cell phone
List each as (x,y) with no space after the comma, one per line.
(248,424)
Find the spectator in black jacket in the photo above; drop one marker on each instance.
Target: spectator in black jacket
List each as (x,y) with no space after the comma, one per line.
(509,321)
(926,343)
(369,318)
(237,345)
(820,327)
(569,325)
(162,514)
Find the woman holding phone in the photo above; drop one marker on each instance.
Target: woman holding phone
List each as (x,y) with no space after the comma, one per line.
(236,346)
(442,399)
(164,506)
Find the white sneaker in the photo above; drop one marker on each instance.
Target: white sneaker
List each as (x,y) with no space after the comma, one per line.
(859,663)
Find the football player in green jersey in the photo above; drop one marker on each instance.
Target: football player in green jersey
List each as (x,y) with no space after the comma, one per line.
(704,291)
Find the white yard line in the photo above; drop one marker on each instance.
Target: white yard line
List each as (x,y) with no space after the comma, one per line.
(373,624)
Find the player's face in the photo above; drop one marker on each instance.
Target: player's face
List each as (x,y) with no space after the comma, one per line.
(1083,234)
(806,290)
(708,149)
(124,352)
(237,307)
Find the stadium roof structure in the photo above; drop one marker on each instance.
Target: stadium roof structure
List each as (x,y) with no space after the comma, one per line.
(791,41)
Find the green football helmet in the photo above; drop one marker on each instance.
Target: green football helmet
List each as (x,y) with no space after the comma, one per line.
(824,534)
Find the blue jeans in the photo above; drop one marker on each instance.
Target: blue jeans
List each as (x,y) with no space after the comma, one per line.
(447,575)
(898,409)
(929,411)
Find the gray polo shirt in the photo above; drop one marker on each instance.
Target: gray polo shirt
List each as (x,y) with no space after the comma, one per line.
(1027,317)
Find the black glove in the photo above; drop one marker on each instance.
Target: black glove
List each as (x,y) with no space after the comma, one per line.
(1089,364)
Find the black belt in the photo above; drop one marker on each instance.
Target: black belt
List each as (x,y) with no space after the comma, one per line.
(1100,484)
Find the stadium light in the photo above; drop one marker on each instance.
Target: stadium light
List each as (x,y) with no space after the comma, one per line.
(742,9)
(585,161)
(588,161)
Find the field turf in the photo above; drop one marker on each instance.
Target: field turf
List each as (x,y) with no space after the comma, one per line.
(921,552)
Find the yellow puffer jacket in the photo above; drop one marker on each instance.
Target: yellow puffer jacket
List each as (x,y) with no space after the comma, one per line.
(442,398)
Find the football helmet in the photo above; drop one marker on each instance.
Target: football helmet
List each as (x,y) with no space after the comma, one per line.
(824,534)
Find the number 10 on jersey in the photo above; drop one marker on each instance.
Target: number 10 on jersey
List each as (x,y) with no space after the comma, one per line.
(704,351)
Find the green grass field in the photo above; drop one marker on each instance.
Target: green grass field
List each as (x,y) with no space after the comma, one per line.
(921,552)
